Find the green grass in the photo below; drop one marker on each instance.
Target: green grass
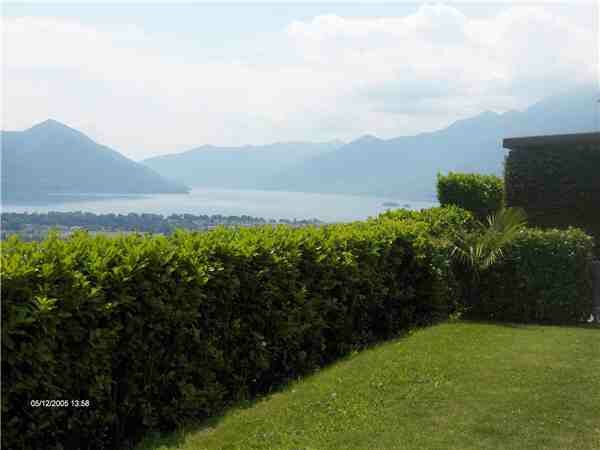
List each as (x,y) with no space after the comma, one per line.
(453,386)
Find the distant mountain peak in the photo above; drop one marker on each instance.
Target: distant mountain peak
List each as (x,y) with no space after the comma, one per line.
(367,138)
(51,157)
(50,123)
(488,113)
(486,117)
(54,127)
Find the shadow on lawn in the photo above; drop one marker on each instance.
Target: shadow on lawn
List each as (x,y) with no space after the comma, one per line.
(155,440)
(174,439)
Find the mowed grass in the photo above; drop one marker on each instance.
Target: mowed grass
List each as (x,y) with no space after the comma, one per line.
(452,386)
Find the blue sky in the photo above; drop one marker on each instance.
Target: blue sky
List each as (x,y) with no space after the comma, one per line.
(151,78)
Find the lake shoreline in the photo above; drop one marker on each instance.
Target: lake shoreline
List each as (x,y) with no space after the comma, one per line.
(231,202)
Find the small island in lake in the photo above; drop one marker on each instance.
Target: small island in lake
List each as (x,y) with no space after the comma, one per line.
(391,204)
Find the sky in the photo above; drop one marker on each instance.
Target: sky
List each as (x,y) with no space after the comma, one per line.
(150,78)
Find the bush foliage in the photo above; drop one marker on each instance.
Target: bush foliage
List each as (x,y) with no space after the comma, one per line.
(155,331)
(440,222)
(543,276)
(483,195)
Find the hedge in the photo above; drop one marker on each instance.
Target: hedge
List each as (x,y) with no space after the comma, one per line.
(441,222)
(557,186)
(544,277)
(158,331)
(483,195)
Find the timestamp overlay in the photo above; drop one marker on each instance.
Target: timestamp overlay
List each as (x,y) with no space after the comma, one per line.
(60,403)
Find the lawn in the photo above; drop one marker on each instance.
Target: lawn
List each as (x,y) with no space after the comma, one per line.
(453,386)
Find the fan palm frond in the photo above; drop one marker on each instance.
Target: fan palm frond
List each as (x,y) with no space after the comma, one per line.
(482,249)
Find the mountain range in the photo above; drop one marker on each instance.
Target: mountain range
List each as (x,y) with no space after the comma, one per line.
(243,167)
(404,167)
(52,158)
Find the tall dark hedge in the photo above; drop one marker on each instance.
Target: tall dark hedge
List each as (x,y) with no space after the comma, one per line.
(544,277)
(483,195)
(557,186)
(157,331)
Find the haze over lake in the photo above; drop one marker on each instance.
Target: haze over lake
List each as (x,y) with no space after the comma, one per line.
(227,202)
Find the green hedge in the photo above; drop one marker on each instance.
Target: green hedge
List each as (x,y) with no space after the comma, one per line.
(157,331)
(440,222)
(483,195)
(545,276)
(557,186)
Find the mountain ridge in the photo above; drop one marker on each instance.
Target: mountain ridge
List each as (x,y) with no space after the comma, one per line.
(53,158)
(404,166)
(235,167)
(60,158)
(407,166)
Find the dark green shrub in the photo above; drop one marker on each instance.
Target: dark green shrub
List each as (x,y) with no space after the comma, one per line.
(483,195)
(156,331)
(543,276)
(558,186)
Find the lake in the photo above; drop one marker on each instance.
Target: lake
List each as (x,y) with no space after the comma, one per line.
(227,202)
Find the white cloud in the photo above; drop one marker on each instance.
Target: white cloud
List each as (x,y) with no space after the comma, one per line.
(328,77)
(440,47)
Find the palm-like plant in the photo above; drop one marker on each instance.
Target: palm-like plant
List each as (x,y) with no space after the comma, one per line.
(482,248)
(477,251)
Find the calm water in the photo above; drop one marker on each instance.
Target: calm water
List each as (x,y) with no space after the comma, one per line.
(227,202)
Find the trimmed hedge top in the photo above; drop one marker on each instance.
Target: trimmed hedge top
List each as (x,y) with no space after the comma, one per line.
(483,195)
(440,222)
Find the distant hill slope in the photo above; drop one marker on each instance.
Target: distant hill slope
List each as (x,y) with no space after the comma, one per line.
(406,166)
(236,167)
(53,158)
